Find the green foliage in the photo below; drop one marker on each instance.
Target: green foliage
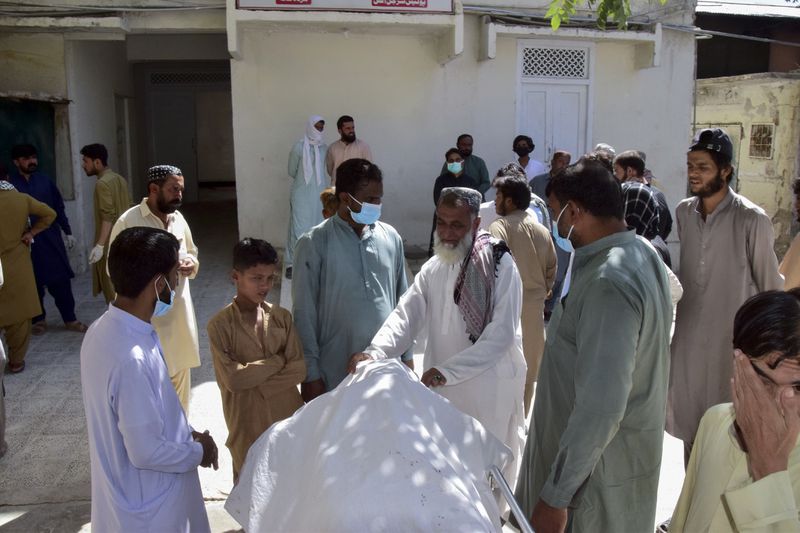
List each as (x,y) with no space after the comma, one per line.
(615,11)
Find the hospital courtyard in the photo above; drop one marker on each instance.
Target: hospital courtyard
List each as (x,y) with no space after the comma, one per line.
(45,478)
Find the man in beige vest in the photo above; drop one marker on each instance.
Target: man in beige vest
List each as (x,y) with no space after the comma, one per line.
(535,255)
(177,330)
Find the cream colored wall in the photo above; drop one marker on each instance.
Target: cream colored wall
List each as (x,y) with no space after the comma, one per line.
(648,109)
(748,100)
(411,109)
(33,63)
(96,71)
(406,106)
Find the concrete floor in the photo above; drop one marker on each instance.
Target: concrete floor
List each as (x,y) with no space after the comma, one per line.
(44,477)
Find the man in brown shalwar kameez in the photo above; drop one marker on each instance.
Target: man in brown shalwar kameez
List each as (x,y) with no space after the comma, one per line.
(533,251)
(726,256)
(19,299)
(258,358)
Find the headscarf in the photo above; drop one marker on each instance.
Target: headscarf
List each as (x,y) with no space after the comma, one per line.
(474,288)
(312,138)
(160,172)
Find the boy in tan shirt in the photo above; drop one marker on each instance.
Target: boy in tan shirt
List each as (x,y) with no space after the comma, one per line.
(258,359)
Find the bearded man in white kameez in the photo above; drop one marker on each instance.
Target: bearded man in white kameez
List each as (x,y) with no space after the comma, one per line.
(467,299)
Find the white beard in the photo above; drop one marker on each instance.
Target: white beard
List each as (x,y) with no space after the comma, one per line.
(452,255)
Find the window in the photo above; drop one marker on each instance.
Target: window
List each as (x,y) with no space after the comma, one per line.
(761,136)
(547,62)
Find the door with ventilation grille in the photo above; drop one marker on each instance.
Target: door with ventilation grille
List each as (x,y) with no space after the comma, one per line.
(554,97)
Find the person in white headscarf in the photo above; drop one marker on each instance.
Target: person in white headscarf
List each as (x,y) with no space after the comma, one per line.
(307,170)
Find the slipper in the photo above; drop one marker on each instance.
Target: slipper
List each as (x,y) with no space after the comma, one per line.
(39,328)
(16,368)
(78,327)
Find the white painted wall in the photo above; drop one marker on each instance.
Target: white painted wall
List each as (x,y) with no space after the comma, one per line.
(96,71)
(648,109)
(410,109)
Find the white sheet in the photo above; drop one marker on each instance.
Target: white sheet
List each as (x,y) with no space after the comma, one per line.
(378,453)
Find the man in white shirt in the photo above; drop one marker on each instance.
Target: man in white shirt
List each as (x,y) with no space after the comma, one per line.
(144,455)
(471,310)
(178,330)
(523,146)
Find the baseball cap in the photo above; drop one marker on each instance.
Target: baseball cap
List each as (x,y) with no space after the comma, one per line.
(713,140)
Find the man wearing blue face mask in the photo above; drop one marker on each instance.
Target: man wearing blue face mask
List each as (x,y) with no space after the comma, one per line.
(351,260)
(455,175)
(593,454)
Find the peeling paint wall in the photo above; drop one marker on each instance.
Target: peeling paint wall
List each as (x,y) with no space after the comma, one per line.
(760,99)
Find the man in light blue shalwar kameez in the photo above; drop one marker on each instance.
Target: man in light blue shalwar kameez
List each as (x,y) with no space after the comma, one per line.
(350,275)
(307,170)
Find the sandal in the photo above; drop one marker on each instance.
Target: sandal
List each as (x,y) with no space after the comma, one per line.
(15,368)
(39,328)
(76,326)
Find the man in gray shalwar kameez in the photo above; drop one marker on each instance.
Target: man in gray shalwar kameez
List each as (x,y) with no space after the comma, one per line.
(593,455)
(726,257)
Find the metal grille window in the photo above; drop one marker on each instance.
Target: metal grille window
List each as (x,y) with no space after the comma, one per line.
(761,136)
(555,63)
(172,78)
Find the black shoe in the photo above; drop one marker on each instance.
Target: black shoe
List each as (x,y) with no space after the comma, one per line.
(288,273)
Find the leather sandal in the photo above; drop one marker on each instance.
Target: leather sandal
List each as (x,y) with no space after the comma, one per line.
(76,326)
(16,368)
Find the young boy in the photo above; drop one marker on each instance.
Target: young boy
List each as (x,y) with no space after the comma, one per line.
(257,354)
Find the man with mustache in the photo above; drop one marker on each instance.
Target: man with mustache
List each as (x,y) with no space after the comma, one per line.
(726,257)
(473,165)
(347,147)
(468,298)
(50,262)
(177,329)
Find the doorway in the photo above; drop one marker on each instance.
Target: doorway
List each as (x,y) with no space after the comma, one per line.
(554,96)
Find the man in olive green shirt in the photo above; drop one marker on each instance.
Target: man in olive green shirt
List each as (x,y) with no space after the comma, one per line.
(474,166)
(594,446)
(111,199)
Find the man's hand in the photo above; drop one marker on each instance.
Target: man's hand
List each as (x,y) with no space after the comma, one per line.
(186,266)
(546,519)
(27,238)
(355,359)
(96,254)
(71,242)
(433,378)
(769,423)
(312,389)
(210,453)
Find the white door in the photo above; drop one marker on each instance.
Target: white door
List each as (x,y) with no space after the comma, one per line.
(555,116)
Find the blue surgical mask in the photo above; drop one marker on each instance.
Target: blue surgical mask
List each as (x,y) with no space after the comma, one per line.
(163,307)
(369,214)
(563,242)
(455,167)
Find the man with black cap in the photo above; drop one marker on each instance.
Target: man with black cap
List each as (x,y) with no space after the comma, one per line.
(177,330)
(726,256)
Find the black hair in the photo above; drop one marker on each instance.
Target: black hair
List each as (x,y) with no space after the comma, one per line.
(250,252)
(525,138)
(463,136)
(590,184)
(137,255)
(630,159)
(23,150)
(515,188)
(451,151)
(342,120)
(769,323)
(96,151)
(795,186)
(356,173)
